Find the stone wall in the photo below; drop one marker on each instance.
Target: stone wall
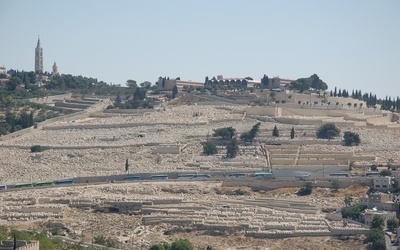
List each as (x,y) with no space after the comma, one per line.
(385,119)
(21,245)
(275,184)
(129,111)
(49,99)
(173,149)
(263,111)
(33,245)
(16,134)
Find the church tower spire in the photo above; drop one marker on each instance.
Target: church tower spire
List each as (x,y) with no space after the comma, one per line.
(38,58)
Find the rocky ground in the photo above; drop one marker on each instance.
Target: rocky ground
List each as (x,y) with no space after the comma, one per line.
(85,224)
(102,150)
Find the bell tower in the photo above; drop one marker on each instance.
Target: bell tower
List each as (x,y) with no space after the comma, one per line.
(38,58)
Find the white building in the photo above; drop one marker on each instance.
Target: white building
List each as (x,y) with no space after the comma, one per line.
(3,70)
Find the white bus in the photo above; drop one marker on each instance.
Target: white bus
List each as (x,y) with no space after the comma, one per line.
(237,175)
(262,175)
(158,177)
(185,176)
(304,175)
(339,175)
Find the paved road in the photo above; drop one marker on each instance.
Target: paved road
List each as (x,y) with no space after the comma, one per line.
(389,244)
(315,171)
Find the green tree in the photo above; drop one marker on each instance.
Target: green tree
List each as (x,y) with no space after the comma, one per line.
(182,244)
(353,212)
(377,222)
(351,138)
(174,91)
(249,136)
(118,101)
(348,200)
(37,148)
(131,84)
(232,148)
(379,244)
(392,224)
(335,185)
(140,94)
(13,83)
(275,132)
(317,83)
(160,246)
(328,131)
(264,81)
(375,235)
(126,165)
(145,84)
(386,173)
(300,85)
(226,133)
(210,148)
(272,95)
(306,190)
(292,133)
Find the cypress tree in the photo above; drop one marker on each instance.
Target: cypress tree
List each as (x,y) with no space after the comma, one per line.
(232,148)
(174,91)
(275,132)
(126,166)
(292,133)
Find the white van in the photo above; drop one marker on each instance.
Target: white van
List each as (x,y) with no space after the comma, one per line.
(305,175)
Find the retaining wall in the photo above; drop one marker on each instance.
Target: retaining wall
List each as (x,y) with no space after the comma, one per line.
(129,111)
(72,105)
(263,111)
(386,119)
(275,184)
(167,149)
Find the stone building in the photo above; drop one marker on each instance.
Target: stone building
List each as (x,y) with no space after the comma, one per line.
(168,84)
(382,182)
(380,201)
(20,245)
(54,71)
(3,70)
(369,215)
(242,82)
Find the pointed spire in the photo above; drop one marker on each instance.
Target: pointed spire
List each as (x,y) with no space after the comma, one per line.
(38,42)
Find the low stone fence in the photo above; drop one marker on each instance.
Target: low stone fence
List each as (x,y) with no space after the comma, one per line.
(16,134)
(285,234)
(129,111)
(267,185)
(72,105)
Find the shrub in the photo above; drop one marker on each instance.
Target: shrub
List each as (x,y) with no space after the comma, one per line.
(335,185)
(392,224)
(210,148)
(306,190)
(328,131)
(226,133)
(232,148)
(385,173)
(37,148)
(351,138)
(352,212)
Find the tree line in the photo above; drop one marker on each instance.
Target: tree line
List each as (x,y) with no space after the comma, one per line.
(370,99)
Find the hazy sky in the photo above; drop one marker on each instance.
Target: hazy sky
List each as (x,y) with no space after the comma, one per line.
(352,44)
